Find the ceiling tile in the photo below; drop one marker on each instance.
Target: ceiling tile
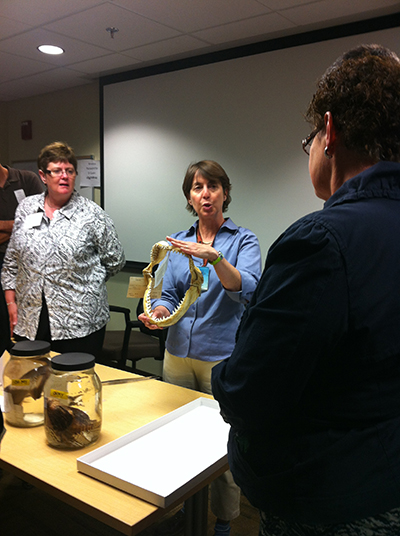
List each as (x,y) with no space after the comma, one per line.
(11,27)
(26,45)
(338,11)
(105,64)
(192,15)
(13,67)
(52,80)
(35,12)
(149,31)
(134,30)
(14,90)
(170,47)
(60,77)
(236,31)
(280,5)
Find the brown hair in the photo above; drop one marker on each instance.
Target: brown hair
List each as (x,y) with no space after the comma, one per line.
(211,171)
(362,91)
(56,152)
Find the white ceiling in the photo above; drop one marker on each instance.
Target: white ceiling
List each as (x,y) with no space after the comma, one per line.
(149,32)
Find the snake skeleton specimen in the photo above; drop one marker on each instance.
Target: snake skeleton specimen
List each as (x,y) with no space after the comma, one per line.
(158,253)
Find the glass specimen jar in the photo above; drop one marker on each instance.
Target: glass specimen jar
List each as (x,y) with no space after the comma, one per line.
(24,377)
(72,401)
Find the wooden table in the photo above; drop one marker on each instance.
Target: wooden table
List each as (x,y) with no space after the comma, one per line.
(25,453)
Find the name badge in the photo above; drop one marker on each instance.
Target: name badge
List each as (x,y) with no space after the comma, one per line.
(33,220)
(205,270)
(20,195)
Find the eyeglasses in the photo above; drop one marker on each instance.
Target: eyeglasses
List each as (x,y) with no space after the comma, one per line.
(59,172)
(307,142)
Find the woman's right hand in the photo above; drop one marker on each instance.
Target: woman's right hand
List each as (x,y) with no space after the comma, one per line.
(158,312)
(13,316)
(12,308)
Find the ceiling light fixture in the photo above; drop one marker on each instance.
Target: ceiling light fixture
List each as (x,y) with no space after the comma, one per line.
(51,49)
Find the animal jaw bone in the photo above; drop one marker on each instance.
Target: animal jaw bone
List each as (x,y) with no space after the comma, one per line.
(158,253)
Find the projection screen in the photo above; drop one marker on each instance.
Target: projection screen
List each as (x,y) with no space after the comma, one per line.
(245,112)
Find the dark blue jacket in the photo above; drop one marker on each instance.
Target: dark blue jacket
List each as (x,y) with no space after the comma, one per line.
(312,389)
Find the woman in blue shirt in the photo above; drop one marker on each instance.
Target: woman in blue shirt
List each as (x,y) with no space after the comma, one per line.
(229,257)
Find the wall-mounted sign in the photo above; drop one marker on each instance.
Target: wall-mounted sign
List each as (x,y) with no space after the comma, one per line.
(89,172)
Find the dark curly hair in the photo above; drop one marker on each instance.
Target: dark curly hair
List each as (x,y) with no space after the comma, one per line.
(362,91)
(211,171)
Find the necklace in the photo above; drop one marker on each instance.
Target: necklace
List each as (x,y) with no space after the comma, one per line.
(48,204)
(200,239)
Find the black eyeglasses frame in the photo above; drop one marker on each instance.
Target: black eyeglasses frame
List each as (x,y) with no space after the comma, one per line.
(307,142)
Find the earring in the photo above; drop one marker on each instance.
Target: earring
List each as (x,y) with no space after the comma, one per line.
(327,155)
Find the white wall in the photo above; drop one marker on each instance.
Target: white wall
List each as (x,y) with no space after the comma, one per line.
(246,113)
(72,115)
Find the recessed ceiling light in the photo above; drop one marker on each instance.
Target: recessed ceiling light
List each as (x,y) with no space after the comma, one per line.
(51,49)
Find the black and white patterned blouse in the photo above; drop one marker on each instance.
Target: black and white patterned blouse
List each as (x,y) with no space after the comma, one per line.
(67,259)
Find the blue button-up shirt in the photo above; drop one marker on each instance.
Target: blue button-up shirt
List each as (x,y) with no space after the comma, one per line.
(207,331)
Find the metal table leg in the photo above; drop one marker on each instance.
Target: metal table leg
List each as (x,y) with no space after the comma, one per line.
(196,514)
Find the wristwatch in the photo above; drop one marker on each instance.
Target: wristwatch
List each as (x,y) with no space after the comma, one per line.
(219,258)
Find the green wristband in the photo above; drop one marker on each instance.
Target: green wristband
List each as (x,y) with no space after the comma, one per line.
(219,258)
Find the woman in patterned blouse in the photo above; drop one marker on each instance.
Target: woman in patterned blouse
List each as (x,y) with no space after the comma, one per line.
(62,250)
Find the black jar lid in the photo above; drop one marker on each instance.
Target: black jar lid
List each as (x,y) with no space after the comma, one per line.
(30,348)
(73,361)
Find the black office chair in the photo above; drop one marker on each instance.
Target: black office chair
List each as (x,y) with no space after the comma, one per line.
(135,342)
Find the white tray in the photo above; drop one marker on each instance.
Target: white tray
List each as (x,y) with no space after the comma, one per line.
(166,458)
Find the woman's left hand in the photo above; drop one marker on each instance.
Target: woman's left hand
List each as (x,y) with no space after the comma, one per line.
(228,275)
(195,249)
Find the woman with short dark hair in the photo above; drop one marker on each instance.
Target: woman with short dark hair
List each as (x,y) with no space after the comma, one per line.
(312,388)
(230,259)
